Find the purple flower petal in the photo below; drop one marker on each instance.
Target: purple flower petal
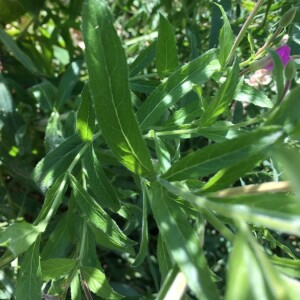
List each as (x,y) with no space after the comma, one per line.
(284,54)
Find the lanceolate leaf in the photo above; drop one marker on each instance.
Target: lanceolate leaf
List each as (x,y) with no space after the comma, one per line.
(143,60)
(22,57)
(19,237)
(287,113)
(254,96)
(166,52)
(67,83)
(143,251)
(108,82)
(29,281)
(182,243)
(98,219)
(55,268)
(177,85)
(223,97)
(86,117)
(99,183)
(50,168)
(98,284)
(218,156)
(226,38)
(53,199)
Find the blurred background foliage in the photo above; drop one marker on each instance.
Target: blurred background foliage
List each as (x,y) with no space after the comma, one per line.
(42,75)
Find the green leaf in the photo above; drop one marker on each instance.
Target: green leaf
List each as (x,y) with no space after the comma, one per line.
(143,60)
(163,258)
(162,153)
(6,102)
(143,251)
(248,266)
(166,52)
(223,97)
(85,116)
(12,46)
(226,38)
(57,162)
(98,284)
(227,176)
(19,237)
(144,86)
(108,83)
(290,267)
(53,135)
(252,95)
(184,115)
(287,113)
(99,183)
(268,202)
(289,160)
(53,199)
(182,243)
(218,156)
(277,73)
(98,220)
(59,242)
(67,83)
(45,94)
(55,268)
(75,288)
(262,211)
(176,86)
(29,282)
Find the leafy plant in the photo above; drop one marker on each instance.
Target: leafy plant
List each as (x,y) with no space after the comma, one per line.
(137,159)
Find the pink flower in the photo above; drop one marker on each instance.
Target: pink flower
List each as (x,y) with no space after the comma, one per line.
(284,54)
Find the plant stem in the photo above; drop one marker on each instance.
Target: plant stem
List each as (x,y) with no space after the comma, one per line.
(243,29)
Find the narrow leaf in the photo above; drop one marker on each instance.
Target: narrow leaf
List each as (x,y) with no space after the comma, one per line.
(163,258)
(223,97)
(143,60)
(19,237)
(59,242)
(108,82)
(143,251)
(50,168)
(98,219)
(179,234)
(6,102)
(287,113)
(254,96)
(12,46)
(85,116)
(218,156)
(53,199)
(55,268)
(278,73)
(100,185)
(166,52)
(29,282)
(98,284)
(227,176)
(67,83)
(226,38)
(176,86)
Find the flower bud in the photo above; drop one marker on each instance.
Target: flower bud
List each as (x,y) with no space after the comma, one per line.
(288,17)
(290,70)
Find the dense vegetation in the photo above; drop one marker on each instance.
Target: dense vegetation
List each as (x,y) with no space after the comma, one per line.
(149,149)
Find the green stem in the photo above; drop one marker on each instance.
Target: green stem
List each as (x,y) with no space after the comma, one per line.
(268,43)
(243,29)
(214,221)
